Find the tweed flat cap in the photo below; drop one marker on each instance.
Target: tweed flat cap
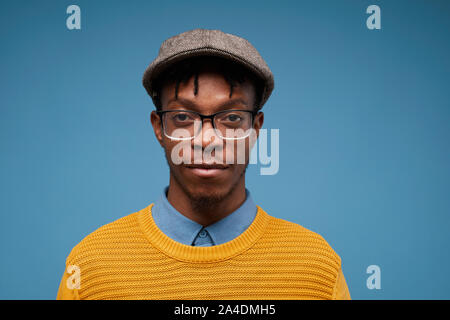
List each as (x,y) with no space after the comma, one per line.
(201,42)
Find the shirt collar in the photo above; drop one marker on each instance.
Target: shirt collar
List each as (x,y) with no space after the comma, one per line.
(184,230)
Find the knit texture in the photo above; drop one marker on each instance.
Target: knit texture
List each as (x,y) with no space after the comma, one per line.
(131,258)
(205,42)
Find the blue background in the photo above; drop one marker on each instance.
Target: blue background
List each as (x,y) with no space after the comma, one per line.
(363,118)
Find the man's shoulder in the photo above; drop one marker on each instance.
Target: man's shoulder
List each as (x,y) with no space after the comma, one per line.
(113,234)
(294,229)
(294,235)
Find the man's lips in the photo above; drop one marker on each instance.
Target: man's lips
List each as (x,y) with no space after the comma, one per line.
(207,166)
(206,170)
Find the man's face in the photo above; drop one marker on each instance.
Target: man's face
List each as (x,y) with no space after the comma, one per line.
(197,180)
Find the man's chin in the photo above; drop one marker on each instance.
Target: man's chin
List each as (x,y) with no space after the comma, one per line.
(206,194)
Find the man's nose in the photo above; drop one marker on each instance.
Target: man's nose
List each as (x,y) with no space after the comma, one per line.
(207,134)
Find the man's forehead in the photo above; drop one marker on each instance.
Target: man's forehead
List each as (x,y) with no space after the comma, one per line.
(195,104)
(212,89)
(207,106)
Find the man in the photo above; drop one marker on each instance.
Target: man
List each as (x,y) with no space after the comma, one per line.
(205,238)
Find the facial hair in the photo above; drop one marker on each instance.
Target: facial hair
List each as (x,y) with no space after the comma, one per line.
(204,202)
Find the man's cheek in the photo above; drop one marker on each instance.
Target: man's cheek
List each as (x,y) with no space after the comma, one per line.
(237,152)
(174,154)
(234,152)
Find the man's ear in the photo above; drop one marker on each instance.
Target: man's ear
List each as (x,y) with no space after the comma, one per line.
(157,127)
(258,122)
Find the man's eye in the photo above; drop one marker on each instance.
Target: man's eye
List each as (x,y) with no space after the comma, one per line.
(233,118)
(181,117)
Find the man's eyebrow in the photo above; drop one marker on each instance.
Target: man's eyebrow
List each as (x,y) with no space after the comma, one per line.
(189,103)
(234,102)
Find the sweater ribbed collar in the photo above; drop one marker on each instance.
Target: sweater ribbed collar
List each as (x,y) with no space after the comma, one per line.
(216,253)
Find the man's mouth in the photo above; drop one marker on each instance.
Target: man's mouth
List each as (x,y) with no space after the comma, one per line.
(206,170)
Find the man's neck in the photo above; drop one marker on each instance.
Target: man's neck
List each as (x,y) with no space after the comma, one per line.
(202,213)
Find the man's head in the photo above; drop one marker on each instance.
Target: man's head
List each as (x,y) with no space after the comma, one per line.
(207,85)
(204,74)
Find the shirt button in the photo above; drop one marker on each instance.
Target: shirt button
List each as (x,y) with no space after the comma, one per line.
(202,234)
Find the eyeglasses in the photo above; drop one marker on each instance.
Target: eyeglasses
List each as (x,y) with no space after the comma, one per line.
(186,124)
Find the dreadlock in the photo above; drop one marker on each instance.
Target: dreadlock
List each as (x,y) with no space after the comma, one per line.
(182,71)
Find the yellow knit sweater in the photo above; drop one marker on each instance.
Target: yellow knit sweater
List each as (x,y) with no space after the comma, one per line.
(131,258)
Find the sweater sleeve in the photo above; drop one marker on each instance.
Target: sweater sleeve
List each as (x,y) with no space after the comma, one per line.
(340,291)
(67,291)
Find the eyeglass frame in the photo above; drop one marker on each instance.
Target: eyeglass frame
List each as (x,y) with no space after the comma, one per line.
(202,117)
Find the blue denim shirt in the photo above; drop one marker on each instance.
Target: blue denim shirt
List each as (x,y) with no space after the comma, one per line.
(184,230)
